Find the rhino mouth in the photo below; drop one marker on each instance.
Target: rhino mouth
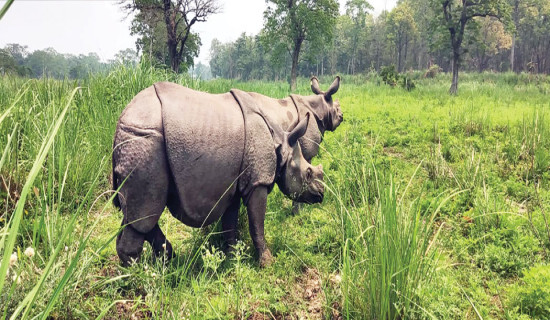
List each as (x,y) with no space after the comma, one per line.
(318,198)
(312,198)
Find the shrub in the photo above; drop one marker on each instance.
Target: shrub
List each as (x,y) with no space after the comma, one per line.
(389,75)
(532,297)
(407,82)
(432,71)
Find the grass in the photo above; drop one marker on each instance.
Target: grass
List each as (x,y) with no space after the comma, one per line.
(437,207)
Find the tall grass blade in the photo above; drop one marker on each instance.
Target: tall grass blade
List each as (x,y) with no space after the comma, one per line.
(7,147)
(13,226)
(5,8)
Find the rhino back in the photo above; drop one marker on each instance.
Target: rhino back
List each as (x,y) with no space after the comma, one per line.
(282,111)
(204,137)
(143,111)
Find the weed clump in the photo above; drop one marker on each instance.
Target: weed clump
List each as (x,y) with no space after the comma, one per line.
(533,296)
(432,71)
(391,77)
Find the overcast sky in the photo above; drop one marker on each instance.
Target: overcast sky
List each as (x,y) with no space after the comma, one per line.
(83,26)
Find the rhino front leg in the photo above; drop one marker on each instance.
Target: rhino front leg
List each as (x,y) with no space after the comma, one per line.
(161,246)
(230,221)
(256,208)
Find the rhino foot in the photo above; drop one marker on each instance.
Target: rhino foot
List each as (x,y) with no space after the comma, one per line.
(266,259)
(164,251)
(161,246)
(129,245)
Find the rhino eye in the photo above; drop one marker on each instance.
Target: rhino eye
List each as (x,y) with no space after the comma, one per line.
(309,174)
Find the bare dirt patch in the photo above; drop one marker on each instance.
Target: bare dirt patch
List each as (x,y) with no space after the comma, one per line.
(393,152)
(309,287)
(129,310)
(307,298)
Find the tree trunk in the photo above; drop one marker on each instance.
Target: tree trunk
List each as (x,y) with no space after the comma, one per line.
(454,86)
(516,22)
(294,70)
(513,53)
(171,41)
(399,56)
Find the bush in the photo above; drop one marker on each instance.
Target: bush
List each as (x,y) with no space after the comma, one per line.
(532,297)
(432,71)
(407,83)
(389,75)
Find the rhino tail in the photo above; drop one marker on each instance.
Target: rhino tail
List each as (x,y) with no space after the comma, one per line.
(116,200)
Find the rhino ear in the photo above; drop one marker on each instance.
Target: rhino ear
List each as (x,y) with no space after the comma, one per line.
(315,85)
(299,131)
(333,87)
(278,134)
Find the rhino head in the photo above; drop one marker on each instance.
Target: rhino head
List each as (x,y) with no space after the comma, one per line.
(324,103)
(297,179)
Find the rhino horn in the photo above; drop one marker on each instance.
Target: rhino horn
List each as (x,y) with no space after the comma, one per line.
(333,87)
(315,86)
(299,131)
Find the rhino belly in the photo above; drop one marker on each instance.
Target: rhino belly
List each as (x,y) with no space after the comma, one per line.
(204,137)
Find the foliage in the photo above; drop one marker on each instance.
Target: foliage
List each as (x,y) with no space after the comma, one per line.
(291,23)
(389,75)
(401,31)
(432,71)
(15,59)
(487,143)
(454,16)
(407,82)
(164,29)
(533,296)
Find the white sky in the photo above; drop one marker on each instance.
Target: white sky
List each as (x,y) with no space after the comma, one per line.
(83,26)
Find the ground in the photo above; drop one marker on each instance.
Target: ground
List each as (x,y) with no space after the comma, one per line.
(436,207)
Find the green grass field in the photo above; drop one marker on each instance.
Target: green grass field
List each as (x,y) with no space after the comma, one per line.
(437,207)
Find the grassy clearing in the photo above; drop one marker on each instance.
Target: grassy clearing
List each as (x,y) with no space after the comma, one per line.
(438,208)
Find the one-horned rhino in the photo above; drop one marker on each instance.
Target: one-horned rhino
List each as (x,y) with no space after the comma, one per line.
(200,154)
(327,115)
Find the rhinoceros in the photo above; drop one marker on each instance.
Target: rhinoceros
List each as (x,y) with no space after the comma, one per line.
(326,111)
(200,154)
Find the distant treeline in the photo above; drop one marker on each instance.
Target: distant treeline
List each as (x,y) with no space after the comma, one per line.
(410,37)
(16,59)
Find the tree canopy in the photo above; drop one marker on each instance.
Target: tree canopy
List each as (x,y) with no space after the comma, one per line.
(293,23)
(164,29)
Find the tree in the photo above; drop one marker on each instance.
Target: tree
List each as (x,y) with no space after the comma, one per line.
(17,51)
(534,38)
(293,22)
(8,65)
(492,39)
(357,10)
(402,30)
(127,56)
(455,15)
(177,16)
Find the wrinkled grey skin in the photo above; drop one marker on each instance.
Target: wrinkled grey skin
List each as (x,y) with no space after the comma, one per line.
(199,155)
(286,112)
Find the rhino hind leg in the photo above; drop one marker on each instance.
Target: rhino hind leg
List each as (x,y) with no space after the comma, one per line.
(161,246)
(129,245)
(141,168)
